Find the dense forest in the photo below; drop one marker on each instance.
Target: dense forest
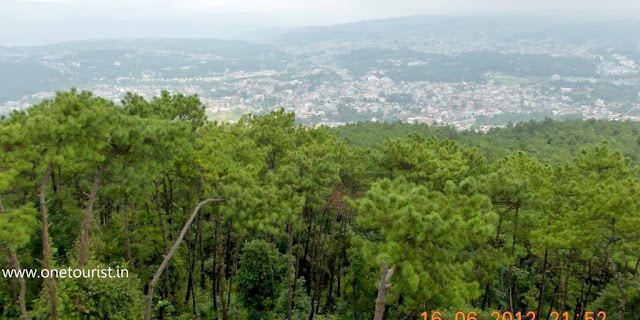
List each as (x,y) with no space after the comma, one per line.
(264,219)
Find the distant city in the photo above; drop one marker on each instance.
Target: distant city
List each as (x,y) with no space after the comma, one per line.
(470,73)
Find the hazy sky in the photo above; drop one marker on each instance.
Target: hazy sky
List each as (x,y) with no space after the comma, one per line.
(46,21)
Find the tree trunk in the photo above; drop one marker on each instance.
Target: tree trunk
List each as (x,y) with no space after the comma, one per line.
(83,251)
(385,276)
(543,282)
(590,281)
(228,263)
(553,300)
(190,266)
(168,202)
(332,270)
(47,253)
(623,291)
(127,239)
(564,288)
(221,266)
(214,270)
(580,301)
(167,257)
(515,231)
(319,257)
(289,271)
(513,276)
(297,262)
(202,257)
(486,298)
(623,302)
(163,229)
(23,289)
(15,264)
(233,267)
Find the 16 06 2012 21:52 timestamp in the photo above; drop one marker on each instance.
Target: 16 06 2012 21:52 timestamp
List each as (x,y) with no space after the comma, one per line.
(508,315)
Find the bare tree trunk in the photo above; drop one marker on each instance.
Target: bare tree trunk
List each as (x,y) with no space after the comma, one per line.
(23,289)
(167,257)
(385,276)
(15,264)
(47,253)
(83,251)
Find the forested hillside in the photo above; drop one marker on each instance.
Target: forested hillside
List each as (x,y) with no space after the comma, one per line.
(552,142)
(262,219)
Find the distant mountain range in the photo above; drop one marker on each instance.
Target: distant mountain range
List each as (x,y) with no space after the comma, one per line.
(620,33)
(616,32)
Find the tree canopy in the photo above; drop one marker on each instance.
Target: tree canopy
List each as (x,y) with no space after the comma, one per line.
(304,223)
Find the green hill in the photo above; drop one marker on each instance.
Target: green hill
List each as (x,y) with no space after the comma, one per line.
(548,140)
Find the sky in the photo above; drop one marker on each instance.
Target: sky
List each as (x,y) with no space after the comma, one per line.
(32,22)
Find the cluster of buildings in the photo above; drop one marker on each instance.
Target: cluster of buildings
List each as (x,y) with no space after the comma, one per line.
(375,97)
(321,91)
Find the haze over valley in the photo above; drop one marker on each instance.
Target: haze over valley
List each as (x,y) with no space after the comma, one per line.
(469,72)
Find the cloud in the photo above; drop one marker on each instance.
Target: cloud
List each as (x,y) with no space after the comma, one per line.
(28,21)
(339,8)
(47,1)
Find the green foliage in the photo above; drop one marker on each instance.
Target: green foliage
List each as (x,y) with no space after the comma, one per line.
(549,141)
(428,161)
(96,298)
(430,236)
(301,304)
(17,226)
(538,215)
(610,300)
(260,277)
